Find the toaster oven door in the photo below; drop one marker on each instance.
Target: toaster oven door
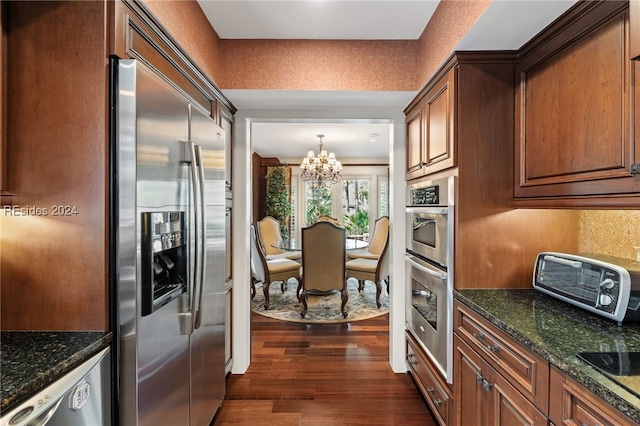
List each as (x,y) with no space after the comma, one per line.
(588,284)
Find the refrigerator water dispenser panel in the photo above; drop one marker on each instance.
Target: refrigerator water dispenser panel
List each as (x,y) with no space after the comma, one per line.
(164,259)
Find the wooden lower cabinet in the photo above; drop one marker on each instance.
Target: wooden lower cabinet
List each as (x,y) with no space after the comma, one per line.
(482,396)
(498,381)
(431,385)
(573,404)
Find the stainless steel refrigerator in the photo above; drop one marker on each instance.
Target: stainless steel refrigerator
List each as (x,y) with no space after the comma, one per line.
(168,239)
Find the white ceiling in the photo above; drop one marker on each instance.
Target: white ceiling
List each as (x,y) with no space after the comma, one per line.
(328,19)
(506,25)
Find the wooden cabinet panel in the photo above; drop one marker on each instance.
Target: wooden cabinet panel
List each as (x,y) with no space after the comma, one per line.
(574,109)
(572,404)
(431,385)
(510,407)
(439,122)
(484,397)
(4,190)
(634,29)
(526,371)
(430,129)
(470,398)
(415,145)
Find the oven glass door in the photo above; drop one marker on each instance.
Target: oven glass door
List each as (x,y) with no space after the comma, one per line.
(427,233)
(430,312)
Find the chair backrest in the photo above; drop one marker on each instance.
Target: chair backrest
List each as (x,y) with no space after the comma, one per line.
(382,267)
(257,258)
(327,218)
(269,235)
(380,235)
(323,257)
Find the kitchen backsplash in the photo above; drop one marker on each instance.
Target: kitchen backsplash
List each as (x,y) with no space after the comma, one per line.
(610,232)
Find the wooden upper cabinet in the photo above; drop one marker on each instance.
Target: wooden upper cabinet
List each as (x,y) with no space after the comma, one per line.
(415,141)
(575,112)
(430,129)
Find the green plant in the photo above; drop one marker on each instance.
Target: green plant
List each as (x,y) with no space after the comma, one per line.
(357,223)
(277,199)
(318,202)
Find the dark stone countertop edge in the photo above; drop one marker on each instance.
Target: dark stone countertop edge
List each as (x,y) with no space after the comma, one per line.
(612,393)
(29,386)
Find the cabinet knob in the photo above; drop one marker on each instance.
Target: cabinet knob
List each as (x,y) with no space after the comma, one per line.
(411,359)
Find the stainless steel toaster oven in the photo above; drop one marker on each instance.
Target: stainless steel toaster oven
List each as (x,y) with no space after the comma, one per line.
(605,285)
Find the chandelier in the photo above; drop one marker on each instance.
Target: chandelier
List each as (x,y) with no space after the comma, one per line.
(322,168)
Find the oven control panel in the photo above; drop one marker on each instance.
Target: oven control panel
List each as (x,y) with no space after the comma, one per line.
(429,195)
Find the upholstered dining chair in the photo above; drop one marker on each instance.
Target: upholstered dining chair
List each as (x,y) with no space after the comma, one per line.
(376,270)
(269,271)
(376,242)
(323,262)
(327,218)
(269,237)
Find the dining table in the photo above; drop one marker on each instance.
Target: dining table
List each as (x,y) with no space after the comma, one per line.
(292,244)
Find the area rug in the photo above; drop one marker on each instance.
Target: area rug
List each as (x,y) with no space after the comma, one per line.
(321,309)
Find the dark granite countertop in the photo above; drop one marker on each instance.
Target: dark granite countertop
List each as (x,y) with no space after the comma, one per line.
(557,331)
(30,360)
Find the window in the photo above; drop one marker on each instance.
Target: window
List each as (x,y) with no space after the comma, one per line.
(355,207)
(319,201)
(361,197)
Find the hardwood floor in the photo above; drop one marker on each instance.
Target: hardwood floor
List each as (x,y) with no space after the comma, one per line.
(328,374)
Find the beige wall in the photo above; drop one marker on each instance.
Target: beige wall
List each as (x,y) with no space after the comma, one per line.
(186,22)
(385,65)
(449,24)
(610,232)
(320,64)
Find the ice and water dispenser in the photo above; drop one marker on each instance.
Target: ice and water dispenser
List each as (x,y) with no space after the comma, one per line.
(164,259)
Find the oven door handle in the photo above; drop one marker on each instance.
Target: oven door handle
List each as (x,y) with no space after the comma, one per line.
(424,268)
(428,210)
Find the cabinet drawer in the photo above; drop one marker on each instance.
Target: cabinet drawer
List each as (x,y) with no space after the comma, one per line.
(433,388)
(526,371)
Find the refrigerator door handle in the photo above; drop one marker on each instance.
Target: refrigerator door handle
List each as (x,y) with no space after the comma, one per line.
(195,185)
(203,237)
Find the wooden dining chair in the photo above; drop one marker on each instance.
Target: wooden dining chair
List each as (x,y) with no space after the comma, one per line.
(269,237)
(323,262)
(327,218)
(375,270)
(269,271)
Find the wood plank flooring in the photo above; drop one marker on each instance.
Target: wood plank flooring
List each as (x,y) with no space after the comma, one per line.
(327,374)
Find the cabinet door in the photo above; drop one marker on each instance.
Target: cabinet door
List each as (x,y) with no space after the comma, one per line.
(415,142)
(470,399)
(484,397)
(574,110)
(439,125)
(510,407)
(634,29)
(572,404)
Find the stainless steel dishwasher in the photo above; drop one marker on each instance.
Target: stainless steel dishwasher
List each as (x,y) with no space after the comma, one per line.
(82,397)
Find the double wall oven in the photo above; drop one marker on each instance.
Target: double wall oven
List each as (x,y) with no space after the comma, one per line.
(429,263)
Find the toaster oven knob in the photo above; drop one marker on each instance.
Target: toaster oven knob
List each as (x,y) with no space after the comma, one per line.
(605,300)
(607,284)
